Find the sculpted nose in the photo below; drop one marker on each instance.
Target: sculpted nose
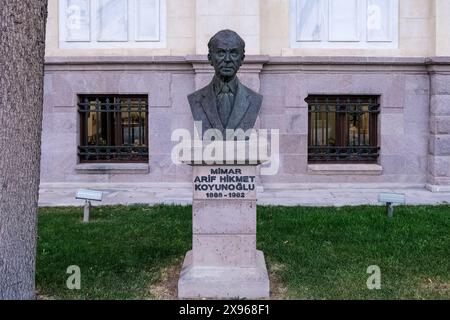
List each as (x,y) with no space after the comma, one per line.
(227,56)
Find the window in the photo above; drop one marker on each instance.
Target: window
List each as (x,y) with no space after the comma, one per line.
(357,24)
(111,23)
(343,128)
(113,128)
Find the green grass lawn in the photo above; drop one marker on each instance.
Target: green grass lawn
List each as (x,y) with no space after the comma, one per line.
(312,253)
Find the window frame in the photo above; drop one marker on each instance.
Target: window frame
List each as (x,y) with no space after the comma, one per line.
(369,154)
(84,147)
(133,41)
(362,41)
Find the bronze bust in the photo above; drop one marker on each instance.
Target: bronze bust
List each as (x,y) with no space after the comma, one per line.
(225,103)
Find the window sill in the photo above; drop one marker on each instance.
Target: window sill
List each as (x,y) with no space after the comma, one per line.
(99,168)
(345,169)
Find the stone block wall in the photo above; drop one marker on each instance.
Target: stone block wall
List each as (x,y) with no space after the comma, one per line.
(413,124)
(403,88)
(439,141)
(167,84)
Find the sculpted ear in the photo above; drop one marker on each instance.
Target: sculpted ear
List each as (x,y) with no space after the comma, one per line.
(210,59)
(243,58)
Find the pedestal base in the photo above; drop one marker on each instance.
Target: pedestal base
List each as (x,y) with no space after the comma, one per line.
(224,262)
(223,282)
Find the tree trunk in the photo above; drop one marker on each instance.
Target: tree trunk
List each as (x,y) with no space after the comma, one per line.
(22,42)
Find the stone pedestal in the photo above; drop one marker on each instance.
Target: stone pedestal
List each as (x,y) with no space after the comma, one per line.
(224,262)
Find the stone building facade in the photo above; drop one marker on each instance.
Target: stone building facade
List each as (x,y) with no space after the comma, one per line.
(396,52)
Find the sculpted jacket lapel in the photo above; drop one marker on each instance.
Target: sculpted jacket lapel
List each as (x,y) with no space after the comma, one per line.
(209,105)
(241,105)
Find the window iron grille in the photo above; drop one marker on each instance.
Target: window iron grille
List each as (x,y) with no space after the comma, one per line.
(343,128)
(113,128)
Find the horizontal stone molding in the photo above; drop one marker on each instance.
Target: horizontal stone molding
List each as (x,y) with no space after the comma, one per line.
(253,63)
(160,67)
(327,60)
(102,60)
(117,63)
(438,60)
(249,59)
(440,65)
(342,64)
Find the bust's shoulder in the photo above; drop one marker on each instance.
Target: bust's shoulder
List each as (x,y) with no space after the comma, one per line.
(251,93)
(201,92)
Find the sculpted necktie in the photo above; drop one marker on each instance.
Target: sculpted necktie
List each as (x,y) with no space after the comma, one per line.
(225,98)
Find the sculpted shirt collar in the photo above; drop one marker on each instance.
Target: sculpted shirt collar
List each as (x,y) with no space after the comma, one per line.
(218,85)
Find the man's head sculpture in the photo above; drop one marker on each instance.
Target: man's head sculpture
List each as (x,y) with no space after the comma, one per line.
(225,104)
(226,54)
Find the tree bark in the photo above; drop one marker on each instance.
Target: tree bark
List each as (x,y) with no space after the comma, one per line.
(22,43)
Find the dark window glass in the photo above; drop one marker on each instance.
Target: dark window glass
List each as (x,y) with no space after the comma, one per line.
(343,128)
(113,128)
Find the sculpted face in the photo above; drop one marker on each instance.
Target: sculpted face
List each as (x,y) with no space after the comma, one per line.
(226,56)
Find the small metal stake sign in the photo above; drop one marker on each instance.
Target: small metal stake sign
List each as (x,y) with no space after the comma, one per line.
(390,199)
(87,207)
(390,209)
(88,196)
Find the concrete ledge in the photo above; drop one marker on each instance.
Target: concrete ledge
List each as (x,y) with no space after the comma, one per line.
(347,60)
(97,60)
(287,194)
(439,60)
(99,168)
(437,188)
(249,59)
(345,169)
